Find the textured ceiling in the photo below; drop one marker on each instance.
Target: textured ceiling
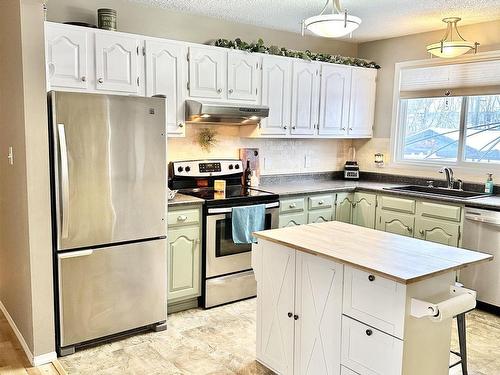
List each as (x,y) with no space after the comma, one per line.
(381,18)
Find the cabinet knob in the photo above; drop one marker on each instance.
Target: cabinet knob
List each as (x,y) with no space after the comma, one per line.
(354,204)
(84,79)
(100,80)
(181,125)
(290,314)
(371,277)
(321,203)
(284,127)
(181,218)
(350,128)
(292,205)
(296,317)
(230,91)
(293,127)
(409,229)
(219,91)
(369,332)
(343,128)
(422,233)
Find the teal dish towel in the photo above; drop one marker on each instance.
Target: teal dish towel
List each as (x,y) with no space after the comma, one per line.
(246,220)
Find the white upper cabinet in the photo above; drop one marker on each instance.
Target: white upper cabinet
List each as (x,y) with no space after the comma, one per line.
(66,57)
(243,76)
(362,109)
(166,75)
(276,93)
(334,100)
(305,98)
(207,72)
(117,63)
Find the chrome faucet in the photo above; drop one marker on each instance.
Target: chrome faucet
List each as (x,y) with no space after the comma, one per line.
(450,181)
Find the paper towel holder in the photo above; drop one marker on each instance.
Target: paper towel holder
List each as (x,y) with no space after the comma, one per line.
(421,309)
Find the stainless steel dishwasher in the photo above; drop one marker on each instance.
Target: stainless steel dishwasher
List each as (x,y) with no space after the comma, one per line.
(482,233)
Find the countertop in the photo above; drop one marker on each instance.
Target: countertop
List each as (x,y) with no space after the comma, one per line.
(181,199)
(327,186)
(402,259)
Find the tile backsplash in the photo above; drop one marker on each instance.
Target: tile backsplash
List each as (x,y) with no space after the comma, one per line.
(277,156)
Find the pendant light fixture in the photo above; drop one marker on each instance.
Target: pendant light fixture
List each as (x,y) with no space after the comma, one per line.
(331,25)
(448,47)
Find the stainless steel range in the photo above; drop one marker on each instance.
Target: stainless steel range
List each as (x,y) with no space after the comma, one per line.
(227,272)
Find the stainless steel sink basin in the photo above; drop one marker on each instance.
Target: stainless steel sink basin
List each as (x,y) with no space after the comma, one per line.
(439,191)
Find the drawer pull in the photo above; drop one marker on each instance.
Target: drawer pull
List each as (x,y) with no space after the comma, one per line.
(182,218)
(296,317)
(422,233)
(409,229)
(371,277)
(369,332)
(290,314)
(321,203)
(354,204)
(292,205)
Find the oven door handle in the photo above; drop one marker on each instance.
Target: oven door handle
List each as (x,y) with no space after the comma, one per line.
(226,210)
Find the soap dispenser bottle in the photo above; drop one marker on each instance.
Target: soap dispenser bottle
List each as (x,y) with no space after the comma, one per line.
(488,186)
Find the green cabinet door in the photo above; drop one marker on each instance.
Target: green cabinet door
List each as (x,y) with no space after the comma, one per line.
(363,209)
(184,272)
(397,223)
(343,207)
(446,233)
(291,220)
(320,216)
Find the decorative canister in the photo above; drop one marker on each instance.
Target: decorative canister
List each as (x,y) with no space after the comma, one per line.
(106,19)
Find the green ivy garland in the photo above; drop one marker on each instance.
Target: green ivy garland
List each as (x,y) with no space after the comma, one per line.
(305,55)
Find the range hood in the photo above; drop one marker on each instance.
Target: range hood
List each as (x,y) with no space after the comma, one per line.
(224,113)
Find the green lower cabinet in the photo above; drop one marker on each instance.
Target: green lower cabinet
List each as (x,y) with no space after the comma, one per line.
(364,209)
(184,257)
(397,223)
(291,220)
(446,233)
(320,216)
(343,208)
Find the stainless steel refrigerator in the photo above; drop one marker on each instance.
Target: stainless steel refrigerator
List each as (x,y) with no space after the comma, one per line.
(109,186)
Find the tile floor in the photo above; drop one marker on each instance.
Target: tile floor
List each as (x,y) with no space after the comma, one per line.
(222,341)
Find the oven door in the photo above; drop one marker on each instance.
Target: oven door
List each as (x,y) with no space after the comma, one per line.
(223,256)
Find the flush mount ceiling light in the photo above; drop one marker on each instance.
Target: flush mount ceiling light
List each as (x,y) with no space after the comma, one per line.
(448,47)
(332,25)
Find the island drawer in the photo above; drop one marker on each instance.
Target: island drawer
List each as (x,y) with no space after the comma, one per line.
(374,300)
(183,217)
(346,371)
(320,202)
(440,211)
(292,205)
(397,204)
(368,351)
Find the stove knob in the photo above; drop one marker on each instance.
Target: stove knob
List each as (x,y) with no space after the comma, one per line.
(188,169)
(231,166)
(180,169)
(237,166)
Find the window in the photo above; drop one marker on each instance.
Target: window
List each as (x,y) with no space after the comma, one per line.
(462,129)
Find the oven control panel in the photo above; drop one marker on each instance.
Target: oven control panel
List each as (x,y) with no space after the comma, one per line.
(207,168)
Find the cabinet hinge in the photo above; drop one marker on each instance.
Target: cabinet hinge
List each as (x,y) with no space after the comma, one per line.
(380,219)
(187,85)
(256,91)
(187,56)
(137,50)
(143,51)
(257,65)
(138,81)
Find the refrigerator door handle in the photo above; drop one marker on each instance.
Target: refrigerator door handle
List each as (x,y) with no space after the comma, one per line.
(75,254)
(64,181)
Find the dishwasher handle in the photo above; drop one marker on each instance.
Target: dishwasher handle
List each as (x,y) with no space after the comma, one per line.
(483,219)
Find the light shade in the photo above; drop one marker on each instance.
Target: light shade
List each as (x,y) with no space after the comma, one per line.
(332,25)
(451,49)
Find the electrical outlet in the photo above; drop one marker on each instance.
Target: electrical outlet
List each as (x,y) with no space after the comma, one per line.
(10,155)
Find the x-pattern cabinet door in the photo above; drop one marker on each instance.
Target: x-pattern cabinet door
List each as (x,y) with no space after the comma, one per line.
(305,98)
(117,63)
(318,307)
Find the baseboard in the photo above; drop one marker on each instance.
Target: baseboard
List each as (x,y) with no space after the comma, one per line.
(34,360)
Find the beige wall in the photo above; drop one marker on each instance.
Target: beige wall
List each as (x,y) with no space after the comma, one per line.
(387,53)
(25,242)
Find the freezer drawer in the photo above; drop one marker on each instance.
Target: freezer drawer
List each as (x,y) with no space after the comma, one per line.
(111,290)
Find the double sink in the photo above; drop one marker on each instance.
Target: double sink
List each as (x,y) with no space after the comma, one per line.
(438,191)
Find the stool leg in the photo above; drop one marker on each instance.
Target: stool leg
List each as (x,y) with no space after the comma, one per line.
(462,342)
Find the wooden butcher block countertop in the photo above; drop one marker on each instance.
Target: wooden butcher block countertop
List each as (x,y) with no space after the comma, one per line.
(402,259)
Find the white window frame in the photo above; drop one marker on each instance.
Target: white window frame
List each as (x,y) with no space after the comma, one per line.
(397,133)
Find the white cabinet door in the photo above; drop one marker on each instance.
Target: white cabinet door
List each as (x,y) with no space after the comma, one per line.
(117,63)
(242,76)
(334,100)
(66,57)
(165,75)
(207,72)
(276,94)
(318,309)
(305,98)
(362,108)
(275,272)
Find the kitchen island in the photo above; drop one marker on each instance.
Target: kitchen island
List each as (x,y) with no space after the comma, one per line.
(334,298)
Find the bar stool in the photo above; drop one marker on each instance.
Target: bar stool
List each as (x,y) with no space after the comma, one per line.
(462,343)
